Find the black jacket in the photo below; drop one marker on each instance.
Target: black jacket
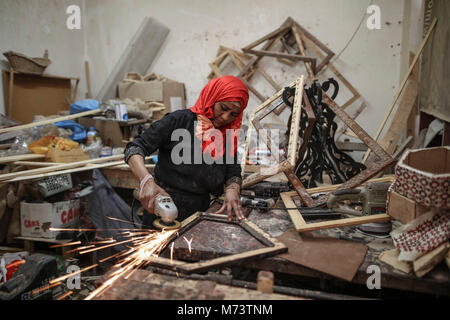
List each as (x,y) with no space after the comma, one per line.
(203,178)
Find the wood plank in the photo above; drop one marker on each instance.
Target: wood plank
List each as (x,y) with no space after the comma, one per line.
(344,222)
(88,80)
(267,37)
(215,69)
(402,85)
(333,69)
(49,174)
(388,178)
(281,55)
(429,260)
(21,157)
(267,46)
(295,122)
(7,176)
(395,130)
(48,121)
(35,163)
(295,215)
(390,257)
(138,55)
(301,48)
(375,168)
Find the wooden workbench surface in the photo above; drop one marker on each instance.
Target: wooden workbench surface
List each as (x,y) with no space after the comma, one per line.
(276,222)
(146,285)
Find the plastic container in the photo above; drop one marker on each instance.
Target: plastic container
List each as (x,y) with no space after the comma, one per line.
(106,152)
(91,136)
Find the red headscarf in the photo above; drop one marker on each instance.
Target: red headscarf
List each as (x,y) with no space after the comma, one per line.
(227,89)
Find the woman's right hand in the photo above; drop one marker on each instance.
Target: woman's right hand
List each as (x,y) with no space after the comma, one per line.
(149,193)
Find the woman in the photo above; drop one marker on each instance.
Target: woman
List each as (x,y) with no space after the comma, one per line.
(205,152)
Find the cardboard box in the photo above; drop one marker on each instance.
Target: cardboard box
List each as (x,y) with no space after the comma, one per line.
(109,130)
(403,209)
(67,156)
(171,93)
(145,90)
(37,218)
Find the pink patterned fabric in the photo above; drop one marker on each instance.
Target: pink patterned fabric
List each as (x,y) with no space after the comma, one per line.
(422,235)
(425,189)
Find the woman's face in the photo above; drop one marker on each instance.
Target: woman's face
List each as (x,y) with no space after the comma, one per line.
(225,112)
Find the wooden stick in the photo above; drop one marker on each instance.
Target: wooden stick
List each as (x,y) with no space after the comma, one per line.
(301,48)
(281,55)
(58,167)
(11,88)
(296,219)
(49,174)
(333,187)
(400,89)
(21,157)
(267,37)
(344,222)
(40,123)
(35,163)
(88,80)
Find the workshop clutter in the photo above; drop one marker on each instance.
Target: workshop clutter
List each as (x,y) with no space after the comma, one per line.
(422,182)
(9,263)
(154,91)
(36,218)
(58,149)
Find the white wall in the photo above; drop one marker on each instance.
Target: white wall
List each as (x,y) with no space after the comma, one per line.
(31,26)
(372,62)
(198,27)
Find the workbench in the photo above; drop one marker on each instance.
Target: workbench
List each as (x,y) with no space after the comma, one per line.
(276,221)
(146,285)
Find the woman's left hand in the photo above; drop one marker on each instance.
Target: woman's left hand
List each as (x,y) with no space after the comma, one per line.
(232,201)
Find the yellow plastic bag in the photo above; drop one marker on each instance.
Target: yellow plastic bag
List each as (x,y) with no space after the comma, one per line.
(45,144)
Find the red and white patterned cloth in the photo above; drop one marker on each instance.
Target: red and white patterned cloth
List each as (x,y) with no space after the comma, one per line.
(423,187)
(422,235)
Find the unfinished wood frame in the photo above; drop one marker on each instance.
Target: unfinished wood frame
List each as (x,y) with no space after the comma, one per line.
(236,57)
(287,165)
(385,160)
(301,225)
(273,246)
(278,35)
(257,177)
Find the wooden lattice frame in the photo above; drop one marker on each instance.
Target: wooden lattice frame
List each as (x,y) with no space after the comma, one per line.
(287,165)
(237,58)
(288,27)
(301,225)
(274,246)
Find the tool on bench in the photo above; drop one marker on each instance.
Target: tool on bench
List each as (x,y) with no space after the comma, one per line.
(165,209)
(373,198)
(257,203)
(266,189)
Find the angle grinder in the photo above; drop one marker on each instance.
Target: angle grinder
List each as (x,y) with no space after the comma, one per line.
(373,197)
(165,209)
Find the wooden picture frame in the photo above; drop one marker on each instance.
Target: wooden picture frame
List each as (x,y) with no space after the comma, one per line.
(300,224)
(273,246)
